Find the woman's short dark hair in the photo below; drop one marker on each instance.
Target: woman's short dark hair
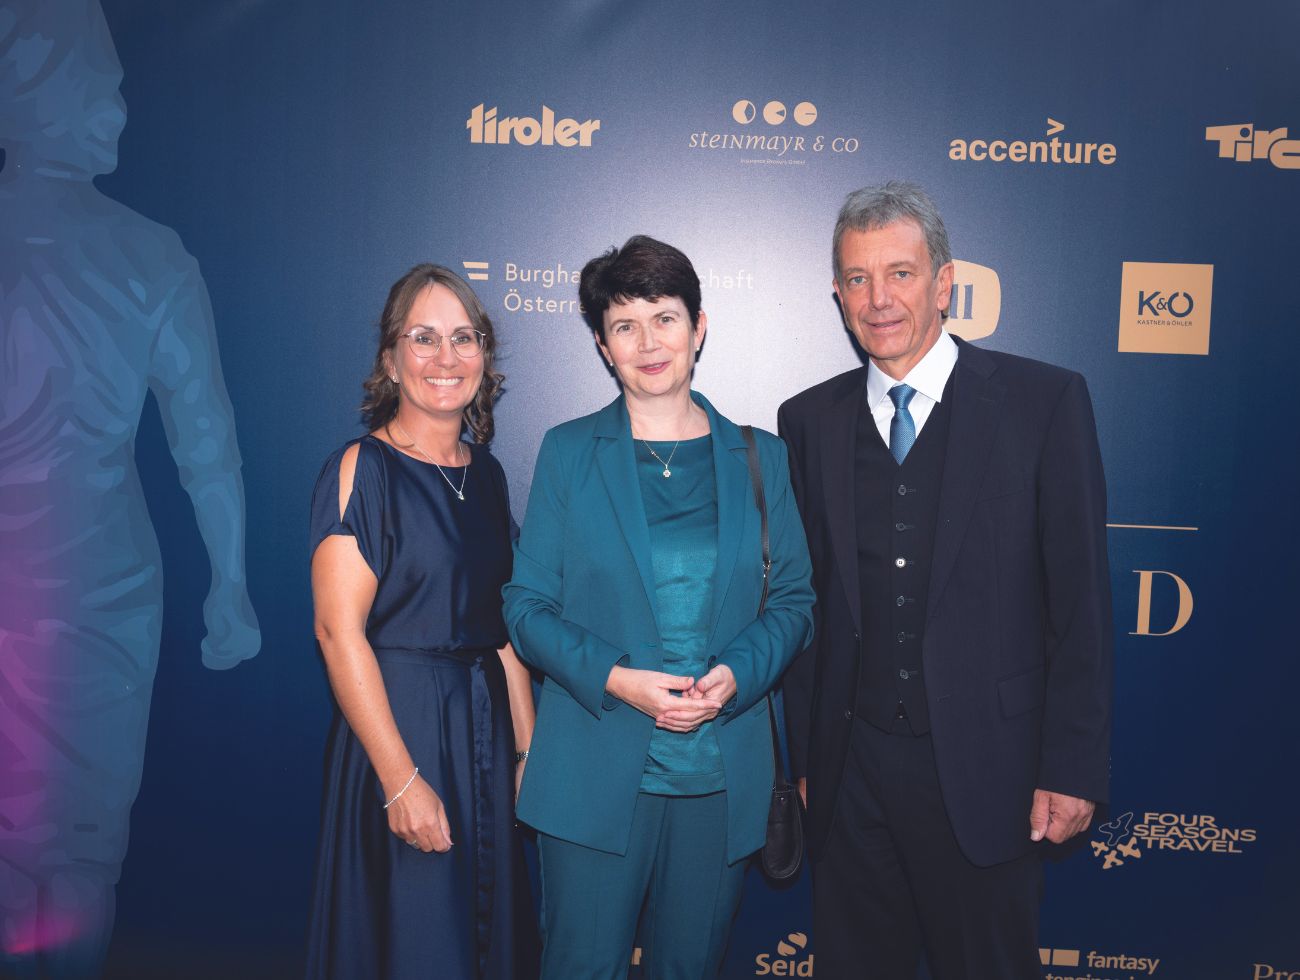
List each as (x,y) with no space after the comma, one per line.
(643,268)
(380,404)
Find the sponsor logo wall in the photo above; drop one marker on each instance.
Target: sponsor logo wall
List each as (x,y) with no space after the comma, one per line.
(1122,199)
(1129,837)
(1164,308)
(789,960)
(1266,971)
(485,126)
(1090,964)
(773,134)
(1247,142)
(1048,149)
(976,301)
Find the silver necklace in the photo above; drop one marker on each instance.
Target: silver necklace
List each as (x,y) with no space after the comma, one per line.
(663,462)
(458,491)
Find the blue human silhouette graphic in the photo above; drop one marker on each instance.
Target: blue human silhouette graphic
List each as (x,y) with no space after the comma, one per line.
(98,307)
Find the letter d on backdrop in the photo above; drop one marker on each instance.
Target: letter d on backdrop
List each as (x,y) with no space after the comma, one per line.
(1144,603)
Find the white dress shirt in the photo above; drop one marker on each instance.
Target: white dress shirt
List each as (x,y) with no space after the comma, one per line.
(928,377)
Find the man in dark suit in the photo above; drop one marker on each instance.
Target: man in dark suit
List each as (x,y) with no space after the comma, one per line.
(953,711)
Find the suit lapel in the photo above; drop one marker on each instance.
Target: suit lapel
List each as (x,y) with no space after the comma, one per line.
(977,401)
(839,429)
(616,460)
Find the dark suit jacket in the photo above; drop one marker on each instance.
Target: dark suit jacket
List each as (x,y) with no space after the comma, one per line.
(1016,652)
(582,600)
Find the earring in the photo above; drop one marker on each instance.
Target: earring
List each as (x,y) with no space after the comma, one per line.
(395,381)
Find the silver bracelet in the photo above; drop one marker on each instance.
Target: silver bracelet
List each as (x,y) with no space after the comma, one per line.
(403,789)
(521,756)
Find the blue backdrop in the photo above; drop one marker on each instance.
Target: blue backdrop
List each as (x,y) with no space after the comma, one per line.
(308,153)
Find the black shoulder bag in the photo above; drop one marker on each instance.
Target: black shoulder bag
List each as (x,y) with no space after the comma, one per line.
(782,852)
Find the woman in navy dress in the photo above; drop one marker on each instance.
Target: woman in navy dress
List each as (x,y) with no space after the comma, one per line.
(420,870)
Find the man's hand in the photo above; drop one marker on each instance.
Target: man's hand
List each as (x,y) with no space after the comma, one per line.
(1058,817)
(803,790)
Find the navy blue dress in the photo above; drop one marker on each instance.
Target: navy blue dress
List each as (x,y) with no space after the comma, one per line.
(382,908)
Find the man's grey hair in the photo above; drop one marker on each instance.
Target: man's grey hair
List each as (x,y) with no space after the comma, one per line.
(899,200)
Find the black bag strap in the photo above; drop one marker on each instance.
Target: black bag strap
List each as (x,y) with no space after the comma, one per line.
(760,501)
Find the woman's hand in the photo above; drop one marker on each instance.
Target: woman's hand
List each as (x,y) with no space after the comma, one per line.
(718,685)
(687,713)
(701,702)
(651,693)
(519,777)
(419,818)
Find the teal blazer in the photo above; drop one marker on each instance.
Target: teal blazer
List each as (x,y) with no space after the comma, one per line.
(582,600)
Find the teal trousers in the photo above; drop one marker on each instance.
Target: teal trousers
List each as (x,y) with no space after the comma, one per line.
(675,869)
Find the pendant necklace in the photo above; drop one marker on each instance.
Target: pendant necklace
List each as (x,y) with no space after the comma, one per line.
(458,491)
(663,462)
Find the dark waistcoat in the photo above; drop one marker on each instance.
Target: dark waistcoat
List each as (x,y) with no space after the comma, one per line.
(897,508)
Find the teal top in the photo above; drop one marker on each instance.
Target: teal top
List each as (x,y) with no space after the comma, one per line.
(681,512)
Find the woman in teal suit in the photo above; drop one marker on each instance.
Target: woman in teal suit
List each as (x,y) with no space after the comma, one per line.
(636,587)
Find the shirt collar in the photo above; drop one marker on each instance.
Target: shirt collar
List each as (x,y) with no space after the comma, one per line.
(929,376)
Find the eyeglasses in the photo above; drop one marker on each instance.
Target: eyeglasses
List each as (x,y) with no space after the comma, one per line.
(426,343)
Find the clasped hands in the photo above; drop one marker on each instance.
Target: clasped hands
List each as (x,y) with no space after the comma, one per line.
(677,704)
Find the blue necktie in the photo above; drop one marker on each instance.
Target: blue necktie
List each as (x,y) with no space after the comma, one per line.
(902,429)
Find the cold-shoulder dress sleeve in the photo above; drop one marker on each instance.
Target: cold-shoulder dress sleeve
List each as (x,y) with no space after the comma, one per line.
(363,516)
